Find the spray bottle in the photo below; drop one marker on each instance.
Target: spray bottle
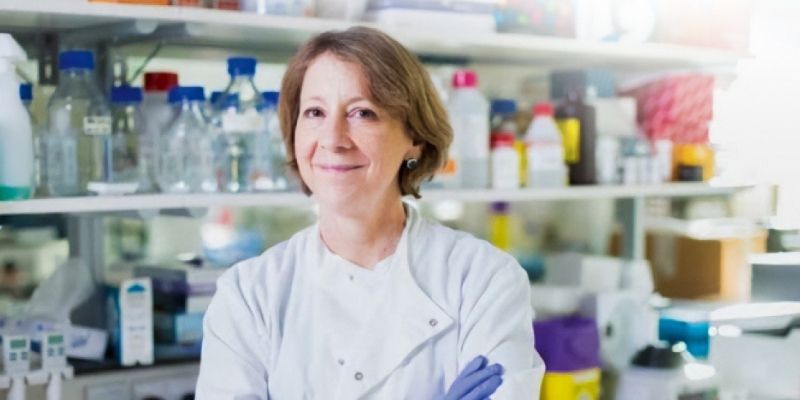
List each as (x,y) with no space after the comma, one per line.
(16,133)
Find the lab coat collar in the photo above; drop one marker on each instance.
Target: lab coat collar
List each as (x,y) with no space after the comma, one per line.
(405,319)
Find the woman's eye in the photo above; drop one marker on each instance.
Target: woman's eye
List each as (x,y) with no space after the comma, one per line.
(313,113)
(364,113)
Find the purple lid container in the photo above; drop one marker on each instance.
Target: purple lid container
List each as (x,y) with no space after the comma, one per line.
(568,344)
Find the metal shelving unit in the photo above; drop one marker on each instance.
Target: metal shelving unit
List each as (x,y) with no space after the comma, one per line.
(124,23)
(111,204)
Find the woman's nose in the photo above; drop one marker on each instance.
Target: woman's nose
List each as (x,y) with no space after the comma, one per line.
(334,135)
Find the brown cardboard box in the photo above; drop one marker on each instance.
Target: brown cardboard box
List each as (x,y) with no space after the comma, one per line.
(691,268)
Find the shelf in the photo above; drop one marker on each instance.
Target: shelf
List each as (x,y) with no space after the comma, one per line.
(230,28)
(101,204)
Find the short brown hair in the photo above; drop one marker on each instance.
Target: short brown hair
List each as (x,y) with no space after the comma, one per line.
(397,82)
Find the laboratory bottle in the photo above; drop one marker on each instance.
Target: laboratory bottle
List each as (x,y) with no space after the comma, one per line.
(241,124)
(545,151)
(576,121)
(503,115)
(127,124)
(186,158)
(505,161)
(26,95)
(270,164)
(77,144)
(157,114)
(469,118)
(16,133)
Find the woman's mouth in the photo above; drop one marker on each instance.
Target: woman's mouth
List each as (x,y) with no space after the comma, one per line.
(338,168)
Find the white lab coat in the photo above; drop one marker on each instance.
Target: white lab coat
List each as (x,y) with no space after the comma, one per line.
(450,297)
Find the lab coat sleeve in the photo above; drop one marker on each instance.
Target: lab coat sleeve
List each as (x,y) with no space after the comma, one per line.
(497,321)
(233,360)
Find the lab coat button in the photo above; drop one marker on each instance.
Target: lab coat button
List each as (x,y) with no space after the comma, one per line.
(433,322)
(340,361)
(359,376)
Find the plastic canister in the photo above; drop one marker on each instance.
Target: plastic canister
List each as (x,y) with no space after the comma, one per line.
(505,161)
(16,133)
(570,348)
(545,151)
(469,117)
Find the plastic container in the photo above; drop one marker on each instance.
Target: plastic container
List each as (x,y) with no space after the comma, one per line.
(126,130)
(16,133)
(77,145)
(26,95)
(157,114)
(545,151)
(503,115)
(226,4)
(576,121)
(186,163)
(469,117)
(500,226)
(243,134)
(505,161)
(272,161)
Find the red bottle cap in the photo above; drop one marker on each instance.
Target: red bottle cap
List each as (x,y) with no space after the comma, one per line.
(543,109)
(503,139)
(160,81)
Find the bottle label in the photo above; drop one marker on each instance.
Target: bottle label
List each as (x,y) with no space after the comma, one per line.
(96,125)
(571,135)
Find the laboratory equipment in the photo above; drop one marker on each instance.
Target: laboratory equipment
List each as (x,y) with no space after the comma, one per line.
(570,348)
(664,372)
(77,145)
(16,133)
(270,152)
(186,161)
(469,117)
(545,149)
(755,348)
(242,129)
(505,161)
(158,114)
(126,131)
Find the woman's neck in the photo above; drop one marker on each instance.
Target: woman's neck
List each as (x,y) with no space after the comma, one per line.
(367,237)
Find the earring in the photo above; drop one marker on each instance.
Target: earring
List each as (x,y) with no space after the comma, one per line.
(411,164)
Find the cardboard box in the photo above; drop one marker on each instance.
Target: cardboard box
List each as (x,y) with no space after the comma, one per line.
(686,267)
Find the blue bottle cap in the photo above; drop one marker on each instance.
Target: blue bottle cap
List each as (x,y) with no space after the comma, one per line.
(189,93)
(76,59)
(503,106)
(26,92)
(126,94)
(238,66)
(271,99)
(215,96)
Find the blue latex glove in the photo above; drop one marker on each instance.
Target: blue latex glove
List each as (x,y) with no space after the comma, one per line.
(477,381)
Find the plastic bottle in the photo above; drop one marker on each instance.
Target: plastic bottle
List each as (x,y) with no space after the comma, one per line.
(270,153)
(500,226)
(576,120)
(157,114)
(505,161)
(77,146)
(242,123)
(16,134)
(545,153)
(469,117)
(186,158)
(26,95)
(503,115)
(126,131)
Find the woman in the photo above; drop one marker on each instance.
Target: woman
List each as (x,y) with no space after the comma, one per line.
(372,302)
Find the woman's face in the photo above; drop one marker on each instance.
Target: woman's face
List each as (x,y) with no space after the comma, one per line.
(348,150)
